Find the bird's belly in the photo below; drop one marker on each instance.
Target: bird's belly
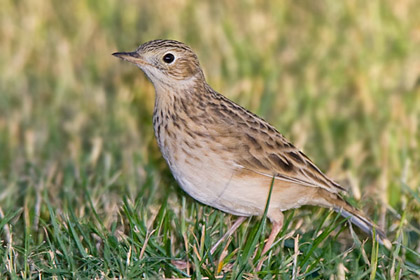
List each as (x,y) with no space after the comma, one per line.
(228,190)
(215,180)
(219,194)
(217,184)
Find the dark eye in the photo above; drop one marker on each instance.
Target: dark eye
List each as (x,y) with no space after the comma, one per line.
(168,58)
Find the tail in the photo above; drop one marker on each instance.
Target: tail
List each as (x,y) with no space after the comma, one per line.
(364,223)
(355,216)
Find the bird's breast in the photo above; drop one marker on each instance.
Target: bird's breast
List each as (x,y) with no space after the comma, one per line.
(202,164)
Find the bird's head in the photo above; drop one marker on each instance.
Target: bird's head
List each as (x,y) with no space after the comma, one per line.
(165,62)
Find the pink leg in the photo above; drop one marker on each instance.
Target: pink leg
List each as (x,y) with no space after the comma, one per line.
(275,230)
(277,222)
(237,223)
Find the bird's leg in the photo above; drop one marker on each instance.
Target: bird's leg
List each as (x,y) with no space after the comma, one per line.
(276,218)
(277,225)
(237,223)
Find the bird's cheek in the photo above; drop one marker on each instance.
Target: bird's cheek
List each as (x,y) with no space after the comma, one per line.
(186,69)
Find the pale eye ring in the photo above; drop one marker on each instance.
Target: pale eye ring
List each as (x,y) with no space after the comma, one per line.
(168,58)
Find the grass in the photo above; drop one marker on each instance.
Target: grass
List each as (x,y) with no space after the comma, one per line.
(84,192)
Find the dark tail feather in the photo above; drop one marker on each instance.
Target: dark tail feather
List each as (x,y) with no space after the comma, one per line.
(364,224)
(355,217)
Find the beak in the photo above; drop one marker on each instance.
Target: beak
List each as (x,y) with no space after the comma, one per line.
(132,57)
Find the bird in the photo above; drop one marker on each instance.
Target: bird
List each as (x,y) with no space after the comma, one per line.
(225,156)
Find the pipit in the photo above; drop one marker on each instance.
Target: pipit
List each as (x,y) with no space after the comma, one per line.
(225,156)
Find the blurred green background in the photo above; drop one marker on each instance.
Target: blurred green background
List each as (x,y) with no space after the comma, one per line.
(341,79)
